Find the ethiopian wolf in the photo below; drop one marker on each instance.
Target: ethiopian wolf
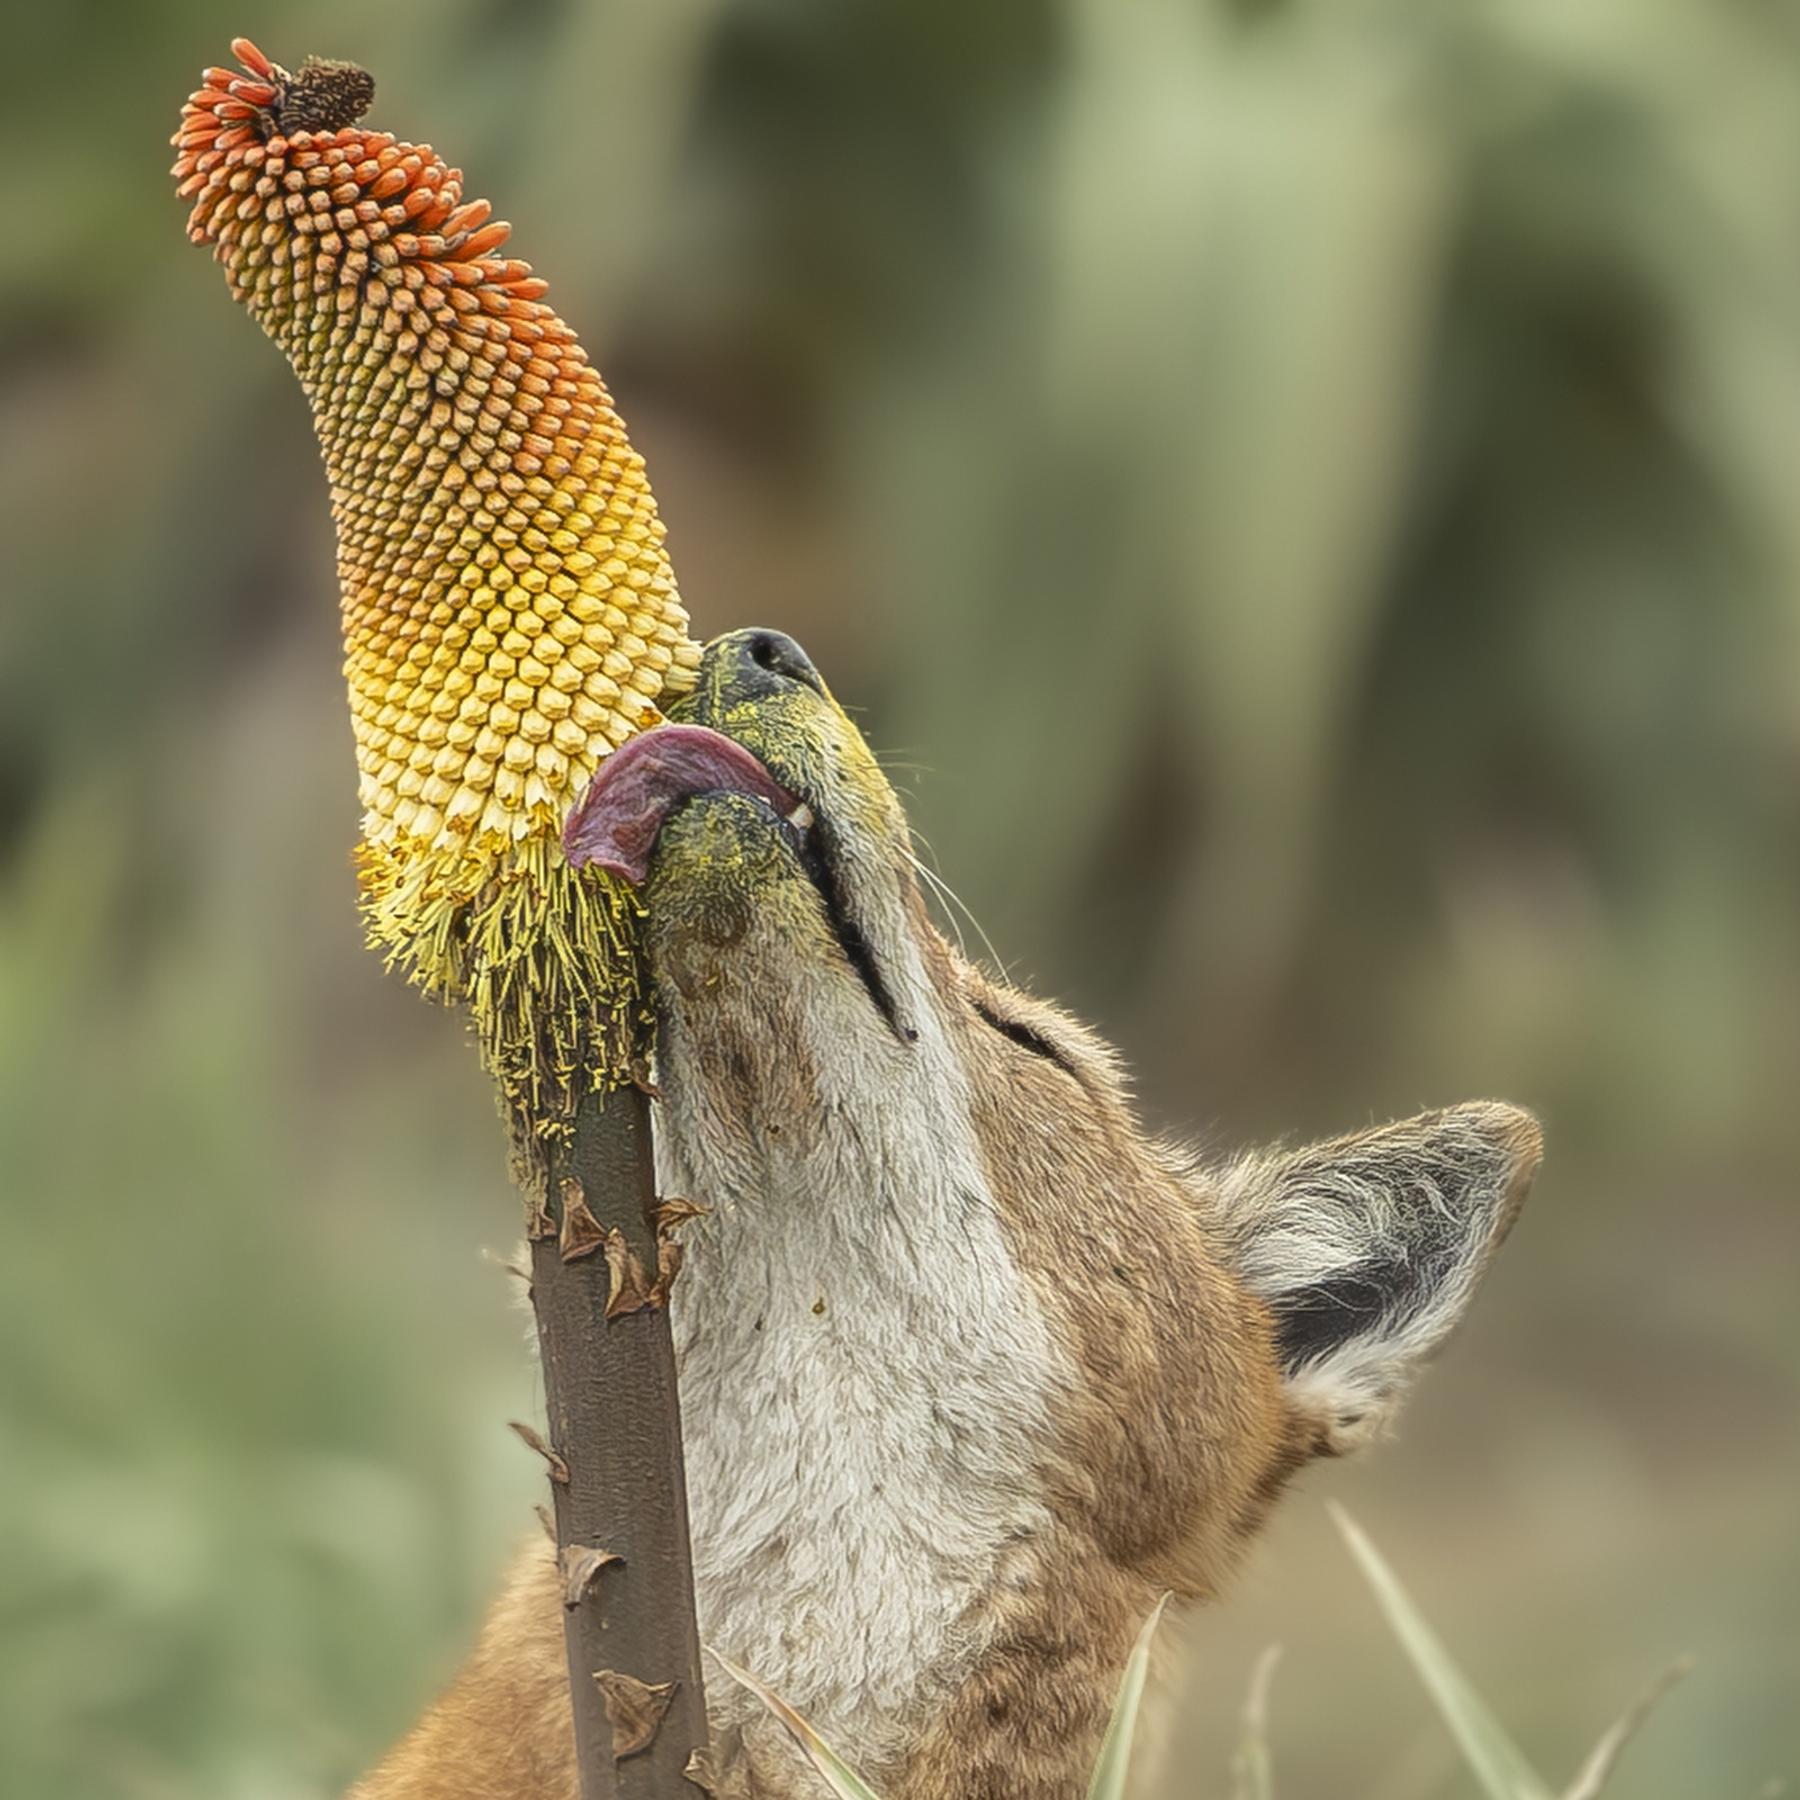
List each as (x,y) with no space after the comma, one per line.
(971,1368)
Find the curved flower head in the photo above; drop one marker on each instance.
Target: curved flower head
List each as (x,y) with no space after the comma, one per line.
(509,611)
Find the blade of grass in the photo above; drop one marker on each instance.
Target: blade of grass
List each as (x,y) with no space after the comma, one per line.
(841,1778)
(1114,1761)
(1252,1768)
(1597,1770)
(1494,1759)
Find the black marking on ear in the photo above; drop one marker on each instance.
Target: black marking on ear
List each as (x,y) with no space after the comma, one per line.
(1023,1035)
(1312,1321)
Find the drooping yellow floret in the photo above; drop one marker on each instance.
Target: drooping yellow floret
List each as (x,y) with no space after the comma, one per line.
(509,611)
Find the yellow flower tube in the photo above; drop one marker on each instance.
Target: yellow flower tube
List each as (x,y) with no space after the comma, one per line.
(509,611)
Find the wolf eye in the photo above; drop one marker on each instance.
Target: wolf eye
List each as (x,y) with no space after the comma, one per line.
(1023,1035)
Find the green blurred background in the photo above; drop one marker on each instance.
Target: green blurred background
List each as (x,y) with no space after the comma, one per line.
(1305,492)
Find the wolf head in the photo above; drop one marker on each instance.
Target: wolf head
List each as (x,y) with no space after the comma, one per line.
(801,986)
(971,1366)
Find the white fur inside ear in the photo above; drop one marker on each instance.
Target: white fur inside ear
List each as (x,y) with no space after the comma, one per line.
(1368,1249)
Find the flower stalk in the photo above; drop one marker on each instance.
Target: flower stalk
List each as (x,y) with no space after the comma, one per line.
(510,617)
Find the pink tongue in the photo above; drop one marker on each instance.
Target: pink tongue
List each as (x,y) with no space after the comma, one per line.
(614,824)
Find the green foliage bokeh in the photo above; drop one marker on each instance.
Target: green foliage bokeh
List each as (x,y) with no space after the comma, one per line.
(1302,490)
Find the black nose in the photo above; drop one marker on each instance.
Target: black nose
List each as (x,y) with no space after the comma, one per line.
(780,655)
(759,660)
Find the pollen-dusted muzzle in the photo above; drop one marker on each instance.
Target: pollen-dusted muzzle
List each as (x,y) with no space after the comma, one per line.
(509,611)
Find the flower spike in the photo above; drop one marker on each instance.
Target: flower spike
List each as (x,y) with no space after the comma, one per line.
(509,612)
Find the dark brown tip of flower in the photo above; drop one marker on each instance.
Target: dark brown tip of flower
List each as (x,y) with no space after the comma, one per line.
(324,95)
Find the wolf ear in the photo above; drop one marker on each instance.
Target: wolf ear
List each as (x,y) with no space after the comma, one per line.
(1368,1249)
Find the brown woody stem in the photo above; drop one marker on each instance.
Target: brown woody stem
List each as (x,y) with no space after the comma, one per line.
(615,1421)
